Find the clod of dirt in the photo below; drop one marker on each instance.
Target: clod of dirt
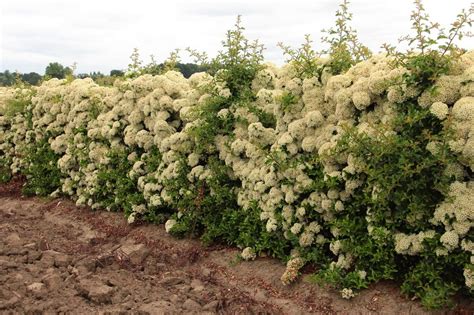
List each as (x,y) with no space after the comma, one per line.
(62,260)
(197,285)
(211,306)
(36,287)
(206,272)
(52,258)
(52,280)
(47,259)
(95,290)
(136,253)
(13,239)
(32,246)
(191,305)
(170,281)
(6,264)
(43,245)
(34,255)
(9,303)
(16,251)
(157,307)
(86,265)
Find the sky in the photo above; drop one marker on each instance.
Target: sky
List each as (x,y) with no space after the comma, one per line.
(100,35)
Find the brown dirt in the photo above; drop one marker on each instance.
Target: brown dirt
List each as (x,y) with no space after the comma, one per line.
(59,258)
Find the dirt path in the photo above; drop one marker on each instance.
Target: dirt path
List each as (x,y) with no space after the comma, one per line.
(58,258)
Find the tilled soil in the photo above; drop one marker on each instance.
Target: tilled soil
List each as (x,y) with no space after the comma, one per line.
(59,258)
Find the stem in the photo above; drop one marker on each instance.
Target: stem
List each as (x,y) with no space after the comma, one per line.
(451,39)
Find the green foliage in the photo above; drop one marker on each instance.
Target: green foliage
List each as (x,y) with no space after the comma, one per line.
(215,217)
(136,67)
(244,228)
(116,190)
(425,69)
(19,103)
(404,180)
(268,120)
(209,202)
(304,59)
(431,51)
(5,172)
(403,184)
(57,70)
(338,279)
(212,124)
(215,214)
(42,173)
(237,64)
(287,100)
(434,279)
(345,50)
(234,68)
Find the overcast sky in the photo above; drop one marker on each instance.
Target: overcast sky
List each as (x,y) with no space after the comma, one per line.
(100,35)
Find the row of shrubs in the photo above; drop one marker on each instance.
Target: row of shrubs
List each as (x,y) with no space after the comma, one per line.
(360,164)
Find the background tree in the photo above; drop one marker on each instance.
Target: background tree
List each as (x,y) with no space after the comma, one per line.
(96,75)
(57,70)
(7,78)
(116,73)
(187,69)
(32,78)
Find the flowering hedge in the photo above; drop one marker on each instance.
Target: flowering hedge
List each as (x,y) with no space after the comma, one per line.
(359,172)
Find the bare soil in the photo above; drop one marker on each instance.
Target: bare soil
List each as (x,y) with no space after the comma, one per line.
(56,257)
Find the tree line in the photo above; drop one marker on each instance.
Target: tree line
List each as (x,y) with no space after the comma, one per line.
(57,70)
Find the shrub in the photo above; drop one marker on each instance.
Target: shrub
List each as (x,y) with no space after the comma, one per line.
(359,164)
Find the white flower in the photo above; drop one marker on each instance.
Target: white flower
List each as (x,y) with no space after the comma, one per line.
(248,254)
(450,240)
(335,247)
(440,110)
(347,293)
(131,218)
(361,100)
(306,239)
(193,159)
(339,206)
(223,113)
(271,225)
(169,225)
(469,276)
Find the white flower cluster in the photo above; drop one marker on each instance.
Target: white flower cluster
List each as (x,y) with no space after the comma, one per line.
(463,116)
(311,124)
(152,116)
(412,244)
(292,268)
(347,294)
(469,276)
(14,131)
(456,215)
(248,253)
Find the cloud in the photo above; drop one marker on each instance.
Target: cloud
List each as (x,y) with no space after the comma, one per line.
(100,35)
(227,9)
